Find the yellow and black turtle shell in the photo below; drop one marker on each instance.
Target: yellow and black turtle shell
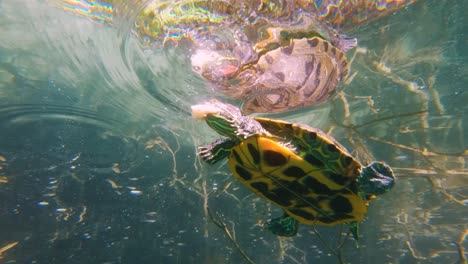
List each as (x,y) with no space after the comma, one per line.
(313,180)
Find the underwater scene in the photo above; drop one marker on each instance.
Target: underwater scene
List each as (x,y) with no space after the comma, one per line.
(229,131)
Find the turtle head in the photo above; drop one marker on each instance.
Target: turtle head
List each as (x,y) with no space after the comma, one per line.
(214,65)
(376,178)
(226,120)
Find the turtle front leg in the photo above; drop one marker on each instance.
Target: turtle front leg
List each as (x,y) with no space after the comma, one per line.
(283,226)
(215,151)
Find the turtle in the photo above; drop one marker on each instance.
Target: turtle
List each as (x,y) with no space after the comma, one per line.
(301,169)
(290,56)
(295,65)
(290,70)
(272,56)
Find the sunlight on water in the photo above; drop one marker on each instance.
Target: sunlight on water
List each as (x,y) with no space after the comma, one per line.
(101,12)
(98,149)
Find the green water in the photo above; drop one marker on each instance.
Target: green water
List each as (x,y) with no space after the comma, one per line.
(98,147)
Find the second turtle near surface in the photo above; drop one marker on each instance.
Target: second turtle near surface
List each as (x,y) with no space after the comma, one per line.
(289,75)
(299,168)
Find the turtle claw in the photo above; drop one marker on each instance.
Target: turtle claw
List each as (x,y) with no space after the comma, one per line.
(216,151)
(204,152)
(343,43)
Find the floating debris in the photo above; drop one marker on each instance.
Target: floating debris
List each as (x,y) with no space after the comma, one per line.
(7,247)
(116,168)
(75,158)
(136,192)
(113,184)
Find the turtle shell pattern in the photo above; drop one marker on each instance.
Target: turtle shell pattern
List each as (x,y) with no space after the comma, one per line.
(315,184)
(314,143)
(305,72)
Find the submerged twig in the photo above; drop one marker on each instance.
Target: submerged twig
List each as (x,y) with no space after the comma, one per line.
(460,249)
(223,226)
(325,244)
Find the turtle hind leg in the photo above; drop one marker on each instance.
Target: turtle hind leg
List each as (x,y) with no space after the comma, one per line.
(342,42)
(283,226)
(354,229)
(215,151)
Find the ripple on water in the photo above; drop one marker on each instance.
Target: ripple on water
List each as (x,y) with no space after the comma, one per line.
(51,135)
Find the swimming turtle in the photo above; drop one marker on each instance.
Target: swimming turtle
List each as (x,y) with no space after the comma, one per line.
(291,70)
(292,65)
(272,55)
(299,168)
